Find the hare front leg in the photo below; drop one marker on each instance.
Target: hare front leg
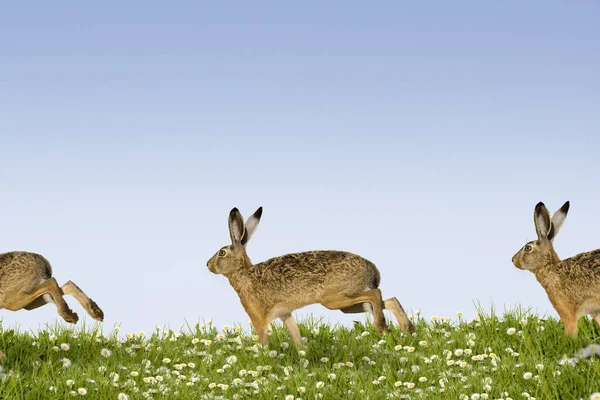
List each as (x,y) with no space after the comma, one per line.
(18,301)
(260,324)
(568,316)
(292,327)
(88,304)
(596,318)
(340,301)
(394,306)
(261,329)
(72,289)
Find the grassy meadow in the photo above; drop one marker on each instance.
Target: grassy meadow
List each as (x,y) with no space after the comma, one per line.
(515,356)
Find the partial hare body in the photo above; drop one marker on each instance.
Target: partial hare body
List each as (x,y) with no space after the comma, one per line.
(26,282)
(572,284)
(329,271)
(21,272)
(276,287)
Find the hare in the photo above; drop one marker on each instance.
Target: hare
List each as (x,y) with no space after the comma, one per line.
(573,284)
(26,282)
(276,287)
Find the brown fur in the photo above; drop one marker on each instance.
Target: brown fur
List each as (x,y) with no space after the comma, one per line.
(26,282)
(276,287)
(573,284)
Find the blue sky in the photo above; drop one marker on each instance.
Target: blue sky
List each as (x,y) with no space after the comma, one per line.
(418,136)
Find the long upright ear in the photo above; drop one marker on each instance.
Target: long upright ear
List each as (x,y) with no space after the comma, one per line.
(251,225)
(541,218)
(236,226)
(557,220)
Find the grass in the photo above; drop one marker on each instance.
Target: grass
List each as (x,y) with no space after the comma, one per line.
(445,359)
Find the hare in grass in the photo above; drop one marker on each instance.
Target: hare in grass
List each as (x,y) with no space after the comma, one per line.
(26,282)
(276,287)
(572,284)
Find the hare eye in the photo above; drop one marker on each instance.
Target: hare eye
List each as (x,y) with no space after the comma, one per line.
(221,253)
(528,248)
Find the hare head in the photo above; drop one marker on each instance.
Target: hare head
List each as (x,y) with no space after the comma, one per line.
(540,252)
(233,257)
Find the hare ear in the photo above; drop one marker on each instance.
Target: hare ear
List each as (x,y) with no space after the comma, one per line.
(251,225)
(236,226)
(541,218)
(557,220)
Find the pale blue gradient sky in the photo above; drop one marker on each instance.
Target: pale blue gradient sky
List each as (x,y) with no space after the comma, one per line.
(417,136)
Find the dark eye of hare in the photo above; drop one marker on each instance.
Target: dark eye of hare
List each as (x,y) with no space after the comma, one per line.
(221,253)
(528,248)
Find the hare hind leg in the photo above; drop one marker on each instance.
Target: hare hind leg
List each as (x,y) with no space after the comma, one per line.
(30,299)
(342,302)
(391,304)
(88,304)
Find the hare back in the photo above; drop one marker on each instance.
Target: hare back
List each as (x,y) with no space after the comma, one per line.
(22,271)
(308,276)
(579,276)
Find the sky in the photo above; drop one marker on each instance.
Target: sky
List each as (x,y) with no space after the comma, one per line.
(419,136)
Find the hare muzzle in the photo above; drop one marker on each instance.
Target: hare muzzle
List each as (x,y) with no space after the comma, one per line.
(516,261)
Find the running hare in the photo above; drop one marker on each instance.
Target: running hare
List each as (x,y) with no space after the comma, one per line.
(573,284)
(26,282)
(276,287)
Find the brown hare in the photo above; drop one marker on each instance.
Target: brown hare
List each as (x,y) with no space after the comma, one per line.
(573,284)
(26,282)
(276,287)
